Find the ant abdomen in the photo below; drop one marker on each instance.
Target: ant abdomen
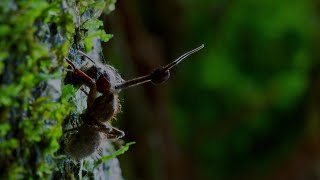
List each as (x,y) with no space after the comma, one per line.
(83,143)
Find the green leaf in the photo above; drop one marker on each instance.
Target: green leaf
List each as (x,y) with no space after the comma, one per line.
(117,153)
(104,36)
(100,34)
(92,24)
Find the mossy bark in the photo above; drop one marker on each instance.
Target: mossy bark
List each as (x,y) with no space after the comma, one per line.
(35,36)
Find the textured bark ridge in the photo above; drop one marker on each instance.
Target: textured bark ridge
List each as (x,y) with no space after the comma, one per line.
(35,103)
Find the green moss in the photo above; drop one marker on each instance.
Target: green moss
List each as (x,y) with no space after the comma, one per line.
(35,36)
(27,61)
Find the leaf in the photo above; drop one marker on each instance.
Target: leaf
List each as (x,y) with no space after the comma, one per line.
(100,34)
(104,36)
(117,153)
(92,24)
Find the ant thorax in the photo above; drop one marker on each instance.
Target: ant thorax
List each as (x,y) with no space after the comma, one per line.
(106,103)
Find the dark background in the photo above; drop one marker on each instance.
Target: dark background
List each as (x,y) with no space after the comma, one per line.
(247,106)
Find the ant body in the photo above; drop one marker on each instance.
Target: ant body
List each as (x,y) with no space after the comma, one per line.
(101,109)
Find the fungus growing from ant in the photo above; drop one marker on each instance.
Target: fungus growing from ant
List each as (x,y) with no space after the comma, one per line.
(103,103)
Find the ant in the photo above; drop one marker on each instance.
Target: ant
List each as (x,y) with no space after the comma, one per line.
(101,109)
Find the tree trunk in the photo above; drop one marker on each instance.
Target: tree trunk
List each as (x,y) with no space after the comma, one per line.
(35,105)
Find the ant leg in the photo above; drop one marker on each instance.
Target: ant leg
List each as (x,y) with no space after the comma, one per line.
(92,95)
(79,72)
(83,90)
(93,89)
(110,132)
(71,130)
(115,134)
(85,55)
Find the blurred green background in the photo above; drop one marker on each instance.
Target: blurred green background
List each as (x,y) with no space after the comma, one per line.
(247,106)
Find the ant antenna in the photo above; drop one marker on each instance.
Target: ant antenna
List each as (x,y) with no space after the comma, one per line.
(159,75)
(84,54)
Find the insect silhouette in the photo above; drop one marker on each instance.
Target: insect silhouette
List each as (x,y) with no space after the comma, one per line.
(101,109)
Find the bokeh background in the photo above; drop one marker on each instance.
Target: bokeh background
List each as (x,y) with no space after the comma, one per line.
(247,106)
